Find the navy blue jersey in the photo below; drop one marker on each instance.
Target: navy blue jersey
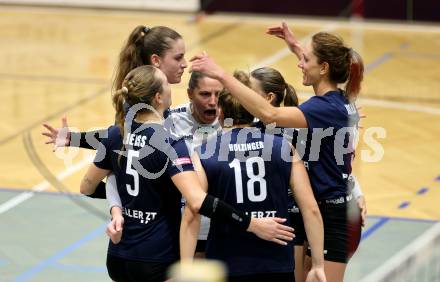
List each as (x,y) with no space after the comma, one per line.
(251,171)
(291,135)
(150,201)
(332,122)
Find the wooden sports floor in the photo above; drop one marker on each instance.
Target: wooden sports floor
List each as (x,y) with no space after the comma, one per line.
(57,62)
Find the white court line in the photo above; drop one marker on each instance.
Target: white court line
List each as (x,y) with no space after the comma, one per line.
(413,255)
(13,202)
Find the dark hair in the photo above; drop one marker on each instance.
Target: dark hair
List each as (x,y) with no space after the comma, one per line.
(271,80)
(141,44)
(139,86)
(345,64)
(231,107)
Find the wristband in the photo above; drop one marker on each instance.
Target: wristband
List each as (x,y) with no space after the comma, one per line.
(216,209)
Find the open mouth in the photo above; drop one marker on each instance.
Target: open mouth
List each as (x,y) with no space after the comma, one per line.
(211,113)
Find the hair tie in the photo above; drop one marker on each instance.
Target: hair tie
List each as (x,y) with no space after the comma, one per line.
(124,90)
(145,30)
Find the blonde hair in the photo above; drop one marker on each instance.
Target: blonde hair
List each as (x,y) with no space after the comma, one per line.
(139,86)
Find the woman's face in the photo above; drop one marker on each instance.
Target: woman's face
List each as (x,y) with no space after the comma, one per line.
(173,62)
(204,100)
(166,92)
(309,65)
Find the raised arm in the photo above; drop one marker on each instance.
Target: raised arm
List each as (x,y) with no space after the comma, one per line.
(287,35)
(63,137)
(311,216)
(283,116)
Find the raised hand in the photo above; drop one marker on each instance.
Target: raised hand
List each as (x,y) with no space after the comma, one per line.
(286,34)
(272,229)
(204,64)
(59,137)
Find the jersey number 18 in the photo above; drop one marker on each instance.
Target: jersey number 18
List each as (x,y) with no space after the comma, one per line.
(253,179)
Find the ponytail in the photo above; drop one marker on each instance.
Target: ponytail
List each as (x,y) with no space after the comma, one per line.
(290,97)
(118,103)
(130,56)
(355,76)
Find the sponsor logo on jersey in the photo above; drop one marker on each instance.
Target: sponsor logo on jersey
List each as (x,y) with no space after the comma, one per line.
(182,161)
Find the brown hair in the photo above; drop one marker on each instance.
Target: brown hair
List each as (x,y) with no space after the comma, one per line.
(345,64)
(231,107)
(141,44)
(139,86)
(194,80)
(271,80)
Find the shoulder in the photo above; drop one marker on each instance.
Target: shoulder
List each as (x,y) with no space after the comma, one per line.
(325,107)
(180,109)
(114,136)
(114,131)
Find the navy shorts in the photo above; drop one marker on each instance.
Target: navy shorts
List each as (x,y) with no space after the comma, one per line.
(297,223)
(279,277)
(342,229)
(124,270)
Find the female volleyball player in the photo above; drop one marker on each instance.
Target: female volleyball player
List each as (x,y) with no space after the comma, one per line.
(330,117)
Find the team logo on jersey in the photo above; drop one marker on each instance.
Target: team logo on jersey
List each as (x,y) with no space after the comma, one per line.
(182,161)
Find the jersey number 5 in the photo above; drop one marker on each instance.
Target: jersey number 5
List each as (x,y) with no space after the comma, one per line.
(253,178)
(132,191)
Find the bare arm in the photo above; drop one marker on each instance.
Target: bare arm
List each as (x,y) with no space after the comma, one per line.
(287,35)
(190,226)
(270,229)
(360,199)
(254,103)
(92,178)
(310,212)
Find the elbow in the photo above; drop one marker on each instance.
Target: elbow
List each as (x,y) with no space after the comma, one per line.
(195,206)
(268,116)
(85,189)
(314,212)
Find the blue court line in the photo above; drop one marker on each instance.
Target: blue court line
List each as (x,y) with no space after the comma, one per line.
(421,56)
(404,219)
(367,233)
(64,252)
(79,268)
(382,59)
(382,220)
(385,57)
(422,190)
(404,205)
